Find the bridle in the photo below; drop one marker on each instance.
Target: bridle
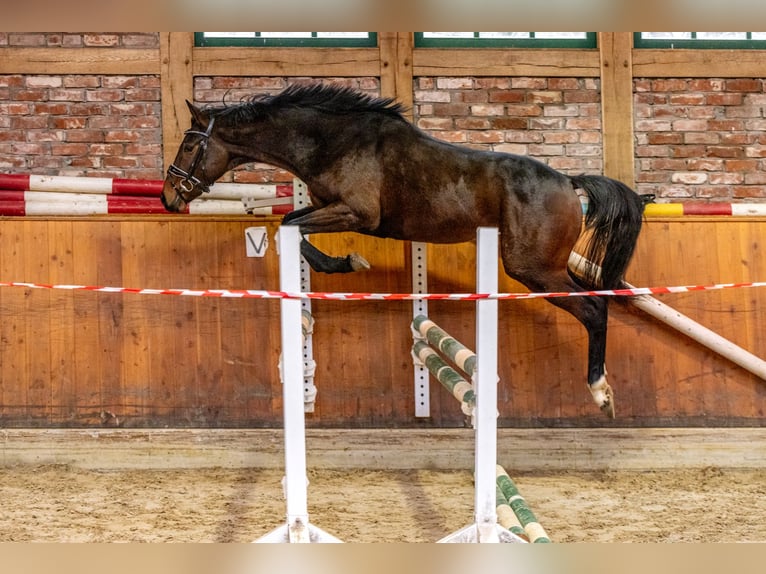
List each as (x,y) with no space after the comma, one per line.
(184,183)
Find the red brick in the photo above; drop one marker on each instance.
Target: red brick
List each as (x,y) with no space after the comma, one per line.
(744,85)
(82,81)
(435,123)
(686,99)
(563,84)
(471,123)
(85,135)
(143,95)
(104,95)
(29,122)
(670,85)
(583,124)
(493,83)
(507,97)
(738,139)
(69,149)
(560,137)
(31,95)
(725,125)
(664,138)
(123,136)
(548,97)
(69,123)
(506,123)
(725,151)
(581,97)
(54,109)
(705,164)
(67,95)
(487,136)
(451,109)
(142,122)
(749,192)
(723,99)
(470,97)
(705,85)
(740,165)
(726,179)
(709,138)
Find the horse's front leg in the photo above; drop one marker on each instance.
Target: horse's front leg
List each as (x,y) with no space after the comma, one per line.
(317,259)
(323,263)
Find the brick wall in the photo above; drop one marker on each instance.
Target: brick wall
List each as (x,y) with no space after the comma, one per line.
(99,125)
(701,139)
(556,120)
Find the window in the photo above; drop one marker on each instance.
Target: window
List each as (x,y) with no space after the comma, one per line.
(292,39)
(505,39)
(752,40)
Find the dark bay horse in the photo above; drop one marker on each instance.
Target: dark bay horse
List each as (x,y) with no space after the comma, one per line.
(370,171)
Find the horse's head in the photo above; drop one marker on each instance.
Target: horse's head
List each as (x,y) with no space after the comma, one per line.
(200,161)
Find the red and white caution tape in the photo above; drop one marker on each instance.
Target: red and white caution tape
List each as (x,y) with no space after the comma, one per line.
(261,294)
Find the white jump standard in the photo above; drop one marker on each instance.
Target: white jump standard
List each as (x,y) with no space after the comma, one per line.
(298,528)
(485,527)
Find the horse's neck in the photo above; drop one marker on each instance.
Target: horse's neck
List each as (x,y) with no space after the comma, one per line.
(282,144)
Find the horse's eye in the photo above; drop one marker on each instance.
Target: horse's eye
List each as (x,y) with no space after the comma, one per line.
(188,148)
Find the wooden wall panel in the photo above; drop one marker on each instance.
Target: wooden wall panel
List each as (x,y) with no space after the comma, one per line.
(102,359)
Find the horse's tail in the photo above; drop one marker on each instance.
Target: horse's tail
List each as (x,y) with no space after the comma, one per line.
(612,224)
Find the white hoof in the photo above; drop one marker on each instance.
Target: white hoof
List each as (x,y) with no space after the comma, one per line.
(358,263)
(602,394)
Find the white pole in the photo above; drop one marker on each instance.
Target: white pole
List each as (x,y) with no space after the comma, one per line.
(685,325)
(701,334)
(295,481)
(485,383)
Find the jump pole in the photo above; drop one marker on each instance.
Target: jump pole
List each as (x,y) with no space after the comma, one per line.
(685,325)
(485,527)
(298,528)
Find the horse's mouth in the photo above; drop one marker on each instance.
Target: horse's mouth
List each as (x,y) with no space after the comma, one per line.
(176,205)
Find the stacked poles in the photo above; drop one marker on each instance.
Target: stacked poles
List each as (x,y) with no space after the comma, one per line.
(434,336)
(295,325)
(513,512)
(24,194)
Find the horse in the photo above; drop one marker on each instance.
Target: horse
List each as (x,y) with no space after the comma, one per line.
(370,171)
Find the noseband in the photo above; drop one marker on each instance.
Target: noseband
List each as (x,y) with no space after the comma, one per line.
(185,183)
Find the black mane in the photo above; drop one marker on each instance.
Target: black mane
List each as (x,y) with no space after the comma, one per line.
(324,97)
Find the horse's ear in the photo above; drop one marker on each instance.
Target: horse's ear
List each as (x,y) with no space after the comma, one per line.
(195,112)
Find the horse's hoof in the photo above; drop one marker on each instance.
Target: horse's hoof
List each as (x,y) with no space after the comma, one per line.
(608,409)
(602,394)
(358,263)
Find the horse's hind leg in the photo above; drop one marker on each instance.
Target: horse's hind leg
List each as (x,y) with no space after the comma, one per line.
(592,312)
(320,261)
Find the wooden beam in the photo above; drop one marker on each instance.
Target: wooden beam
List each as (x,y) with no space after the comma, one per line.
(617,105)
(523,450)
(314,62)
(396,68)
(511,62)
(177,85)
(699,63)
(122,61)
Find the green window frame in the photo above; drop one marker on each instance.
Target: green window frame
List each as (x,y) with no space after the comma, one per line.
(505,40)
(702,40)
(286,39)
